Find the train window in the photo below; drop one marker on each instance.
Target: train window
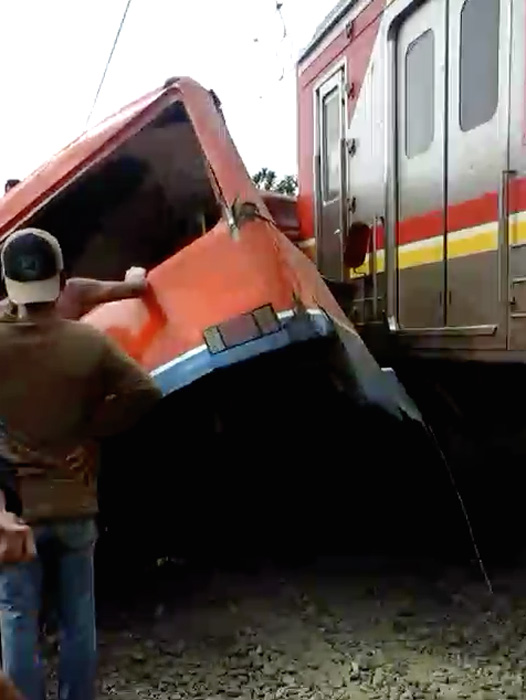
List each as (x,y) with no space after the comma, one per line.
(479,62)
(331,115)
(420,94)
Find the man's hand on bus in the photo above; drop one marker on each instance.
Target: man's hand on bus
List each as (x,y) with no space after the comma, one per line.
(136,276)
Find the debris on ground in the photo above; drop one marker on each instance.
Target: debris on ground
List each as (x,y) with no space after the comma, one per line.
(316,637)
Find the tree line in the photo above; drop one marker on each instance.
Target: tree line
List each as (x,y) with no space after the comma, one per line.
(267,179)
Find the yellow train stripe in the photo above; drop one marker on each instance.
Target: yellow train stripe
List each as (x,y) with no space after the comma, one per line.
(480,239)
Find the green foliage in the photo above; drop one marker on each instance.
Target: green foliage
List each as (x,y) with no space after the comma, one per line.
(267,179)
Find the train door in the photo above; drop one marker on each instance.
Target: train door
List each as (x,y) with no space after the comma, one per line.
(330,185)
(420,148)
(477,157)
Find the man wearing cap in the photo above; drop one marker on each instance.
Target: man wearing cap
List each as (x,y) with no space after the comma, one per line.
(64,385)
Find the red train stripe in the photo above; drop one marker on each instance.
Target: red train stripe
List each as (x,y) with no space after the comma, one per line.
(464,215)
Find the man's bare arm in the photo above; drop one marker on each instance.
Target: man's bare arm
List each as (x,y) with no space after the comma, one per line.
(81,295)
(94,292)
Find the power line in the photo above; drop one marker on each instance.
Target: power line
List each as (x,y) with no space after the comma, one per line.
(285,64)
(279,6)
(285,40)
(115,41)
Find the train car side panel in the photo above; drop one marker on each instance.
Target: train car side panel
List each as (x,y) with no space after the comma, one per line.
(435,165)
(343,59)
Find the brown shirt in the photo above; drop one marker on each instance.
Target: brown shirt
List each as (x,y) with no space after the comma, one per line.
(65,384)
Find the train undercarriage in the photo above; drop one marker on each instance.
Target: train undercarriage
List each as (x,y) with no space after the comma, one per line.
(271,459)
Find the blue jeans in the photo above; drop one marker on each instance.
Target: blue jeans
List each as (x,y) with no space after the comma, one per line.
(70,545)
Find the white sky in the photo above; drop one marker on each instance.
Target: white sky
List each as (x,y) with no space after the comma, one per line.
(54,52)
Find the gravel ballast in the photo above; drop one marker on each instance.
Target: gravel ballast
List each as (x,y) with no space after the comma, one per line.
(317,636)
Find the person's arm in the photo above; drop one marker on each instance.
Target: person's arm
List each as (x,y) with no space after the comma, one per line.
(95,292)
(81,295)
(129,390)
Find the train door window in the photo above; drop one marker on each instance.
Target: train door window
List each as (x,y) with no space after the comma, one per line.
(479,62)
(479,39)
(331,120)
(420,110)
(420,94)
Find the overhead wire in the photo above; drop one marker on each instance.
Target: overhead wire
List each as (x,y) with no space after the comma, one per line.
(279,6)
(286,40)
(108,62)
(278,47)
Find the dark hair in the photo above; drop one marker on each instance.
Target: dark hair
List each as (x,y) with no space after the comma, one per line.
(10,184)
